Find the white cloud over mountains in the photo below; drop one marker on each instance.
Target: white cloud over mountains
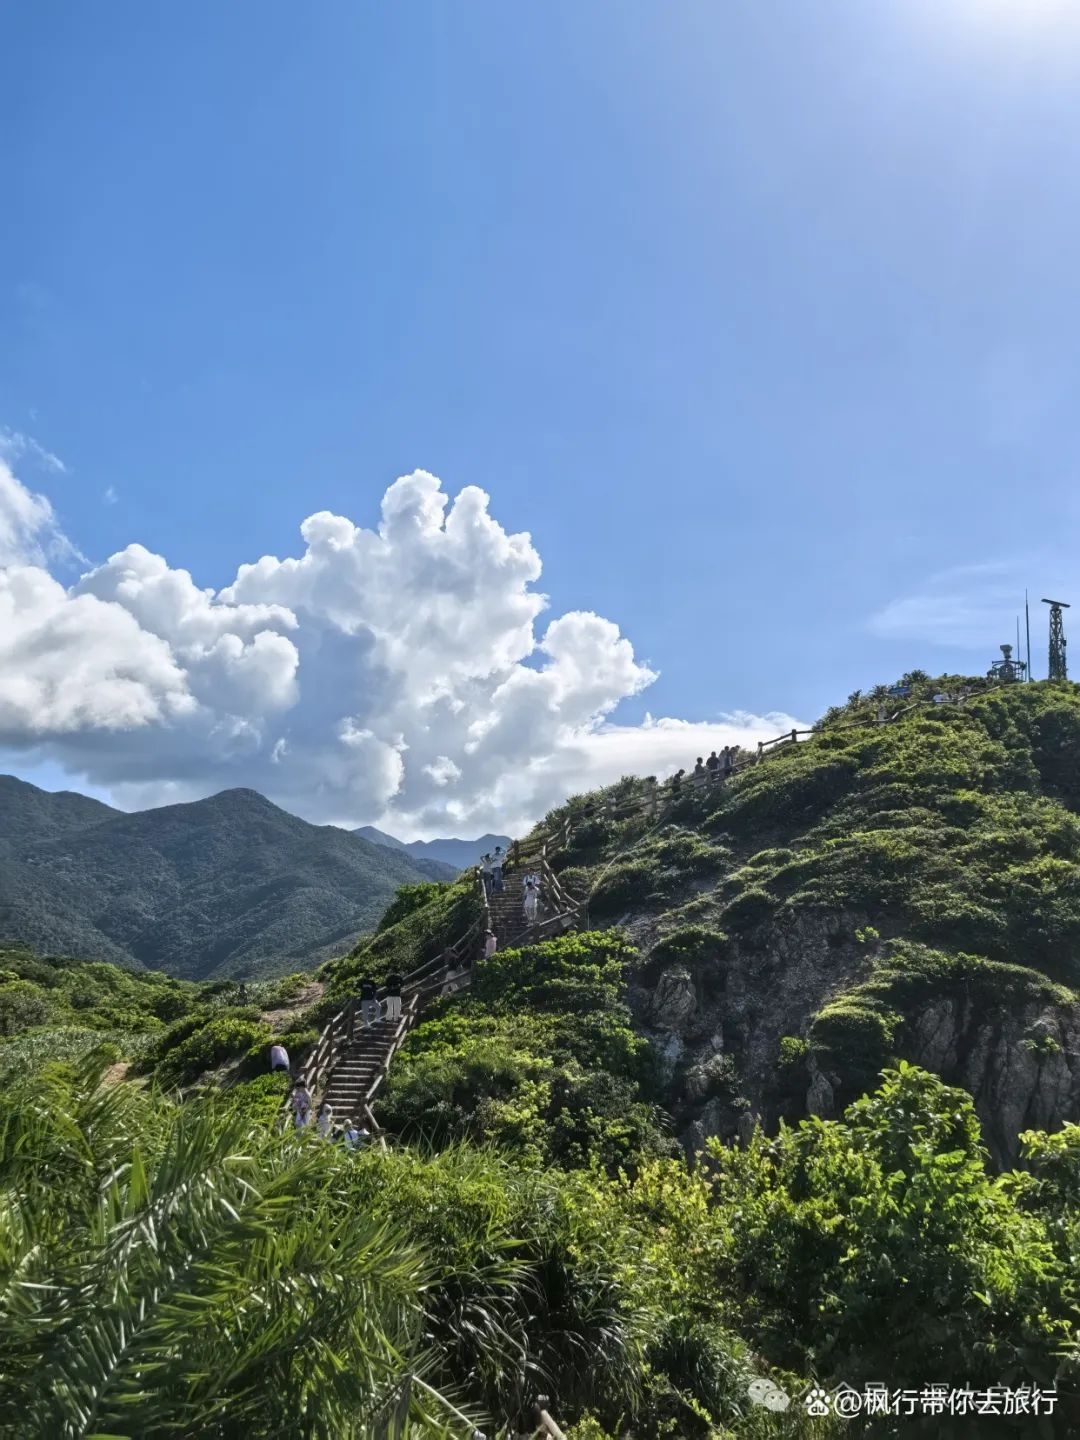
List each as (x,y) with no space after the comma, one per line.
(397,676)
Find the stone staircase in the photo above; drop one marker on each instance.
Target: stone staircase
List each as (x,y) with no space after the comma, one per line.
(352,1076)
(506,916)
(366,1054)
(352,1059)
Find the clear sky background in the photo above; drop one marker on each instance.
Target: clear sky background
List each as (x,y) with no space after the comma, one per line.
(761,319)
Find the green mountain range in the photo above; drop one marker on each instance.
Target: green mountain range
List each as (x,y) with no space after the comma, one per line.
(459,854)
(228,886)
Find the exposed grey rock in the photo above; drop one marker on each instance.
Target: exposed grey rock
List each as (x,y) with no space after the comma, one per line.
(820,1098)
(674,999)
(1022,1066)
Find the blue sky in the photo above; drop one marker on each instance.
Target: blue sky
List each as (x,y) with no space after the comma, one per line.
(761,320)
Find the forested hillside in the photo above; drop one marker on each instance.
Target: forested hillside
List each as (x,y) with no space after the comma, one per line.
(229,886)
(909,889)
(601,1180)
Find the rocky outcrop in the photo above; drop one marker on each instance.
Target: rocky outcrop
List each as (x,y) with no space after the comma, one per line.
(718,1021)
(821,1095)
(1022,1067)
(738,1001)
(674,1001)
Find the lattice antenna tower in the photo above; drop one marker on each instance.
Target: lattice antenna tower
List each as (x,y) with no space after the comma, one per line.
(1058,667)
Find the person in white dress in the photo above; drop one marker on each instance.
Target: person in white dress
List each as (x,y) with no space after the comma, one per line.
(531,900)
(301,1104)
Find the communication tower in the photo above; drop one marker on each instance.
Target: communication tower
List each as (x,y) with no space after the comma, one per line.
(1058,668)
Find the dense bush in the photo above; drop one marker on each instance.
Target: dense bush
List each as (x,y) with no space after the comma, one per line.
(22,1006)
(881,1246)
(495,1282)
(59,991)
(540,1058)
(192,1047)
(408,899)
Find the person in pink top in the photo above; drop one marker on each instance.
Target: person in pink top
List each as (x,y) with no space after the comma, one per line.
(490,944)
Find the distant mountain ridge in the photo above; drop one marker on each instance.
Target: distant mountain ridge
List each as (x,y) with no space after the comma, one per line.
(458,853)
(227,886)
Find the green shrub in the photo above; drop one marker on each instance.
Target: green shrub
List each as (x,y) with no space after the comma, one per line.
(625,883)
(880,1246)
(793,1051)
(419,936)
(855,1040)
(408,899)
(748,910)
(225,1036)
(23,1005)
(692,945)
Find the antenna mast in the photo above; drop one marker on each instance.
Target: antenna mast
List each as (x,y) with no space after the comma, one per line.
(1058,668)
(1027,624)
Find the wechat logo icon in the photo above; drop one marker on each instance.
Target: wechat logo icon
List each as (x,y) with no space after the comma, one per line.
(764,1392)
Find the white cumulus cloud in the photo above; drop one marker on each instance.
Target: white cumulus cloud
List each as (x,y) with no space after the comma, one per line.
(393,675)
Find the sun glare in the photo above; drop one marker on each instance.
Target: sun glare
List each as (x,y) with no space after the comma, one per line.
(1018,14)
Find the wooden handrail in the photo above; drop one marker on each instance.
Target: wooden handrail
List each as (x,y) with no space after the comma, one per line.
(337,1033)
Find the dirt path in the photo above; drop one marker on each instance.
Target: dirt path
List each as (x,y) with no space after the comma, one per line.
(276,1018)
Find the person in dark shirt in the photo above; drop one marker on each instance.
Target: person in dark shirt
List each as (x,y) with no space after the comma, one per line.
(712,764)
(393,996)
(369,1002)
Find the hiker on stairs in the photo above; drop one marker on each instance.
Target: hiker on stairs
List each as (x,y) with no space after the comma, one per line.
(531,901)
(497,860)
(301,1104)
(355,1137)
(490,944)
(393,996)
(485,871)
(369,1002)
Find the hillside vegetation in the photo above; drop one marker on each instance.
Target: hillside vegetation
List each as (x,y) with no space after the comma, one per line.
(231,886)
(797,1106)
(901,890)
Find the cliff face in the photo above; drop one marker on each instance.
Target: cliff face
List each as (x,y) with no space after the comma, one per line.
(905,891)
(721,1022)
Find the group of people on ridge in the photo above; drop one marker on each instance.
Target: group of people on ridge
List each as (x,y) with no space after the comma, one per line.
(716,767)
(352,1136)
(371,1007)
(724,763)
(491,868)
